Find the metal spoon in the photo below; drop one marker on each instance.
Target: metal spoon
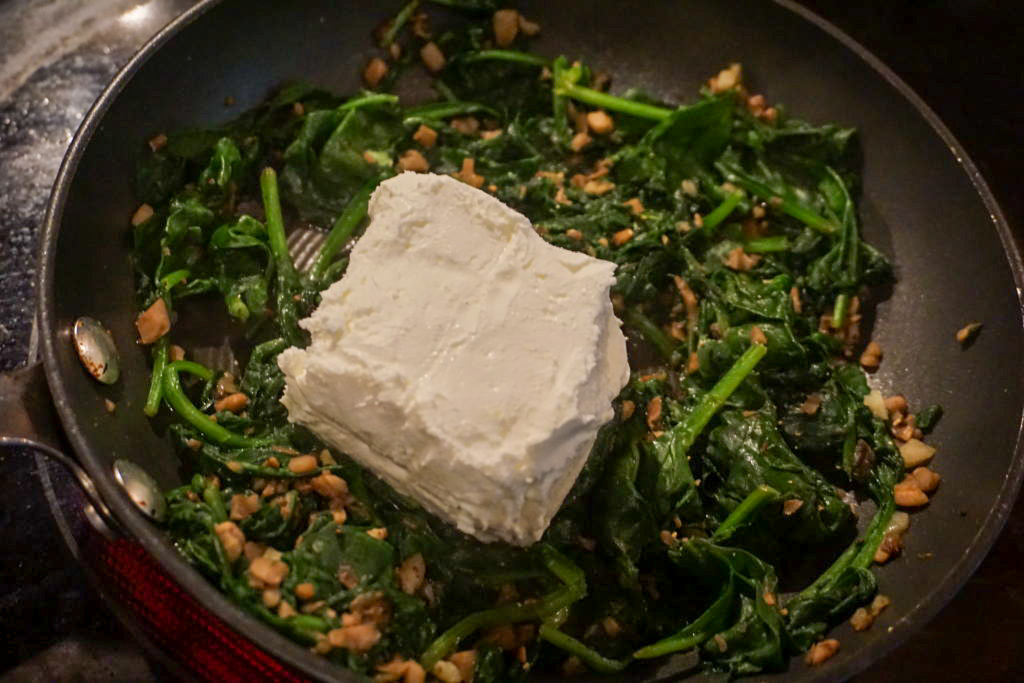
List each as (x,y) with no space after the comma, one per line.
(141,488)
(96,350)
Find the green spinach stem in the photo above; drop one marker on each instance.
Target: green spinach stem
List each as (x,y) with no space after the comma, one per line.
(152,406)
(722,211)
(368,101)
(651,332)
(399,22)
(713,619)
(212,497)
(574,589)
(289,294)
(748,507)
(693,424)
(508,56)
(592,658)
(603,100)
(175,396)
(839,311)
(171,279)
(860,554)
(275,224)
(788,206)
(342,231)
(767,245)
(436,112)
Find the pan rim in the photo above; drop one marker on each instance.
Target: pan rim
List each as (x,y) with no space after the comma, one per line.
(296,656)
(138,526)
(992,526)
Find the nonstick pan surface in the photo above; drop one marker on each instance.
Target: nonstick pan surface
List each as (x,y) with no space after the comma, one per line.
(923,203)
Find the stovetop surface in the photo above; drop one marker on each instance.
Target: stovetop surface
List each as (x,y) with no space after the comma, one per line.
(961,56)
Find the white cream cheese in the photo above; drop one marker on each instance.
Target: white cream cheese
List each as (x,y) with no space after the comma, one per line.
(462,358)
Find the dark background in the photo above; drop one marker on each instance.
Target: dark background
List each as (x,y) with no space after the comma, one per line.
(963,57)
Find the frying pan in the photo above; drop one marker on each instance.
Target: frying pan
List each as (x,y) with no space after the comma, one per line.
(923,203)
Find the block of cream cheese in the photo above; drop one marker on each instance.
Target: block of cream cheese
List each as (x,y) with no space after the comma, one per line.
(462,358)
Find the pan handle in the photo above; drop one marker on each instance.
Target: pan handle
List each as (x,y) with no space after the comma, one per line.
(26,409)
(28,420)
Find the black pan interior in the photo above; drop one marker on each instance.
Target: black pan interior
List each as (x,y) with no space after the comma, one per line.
(923,204)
